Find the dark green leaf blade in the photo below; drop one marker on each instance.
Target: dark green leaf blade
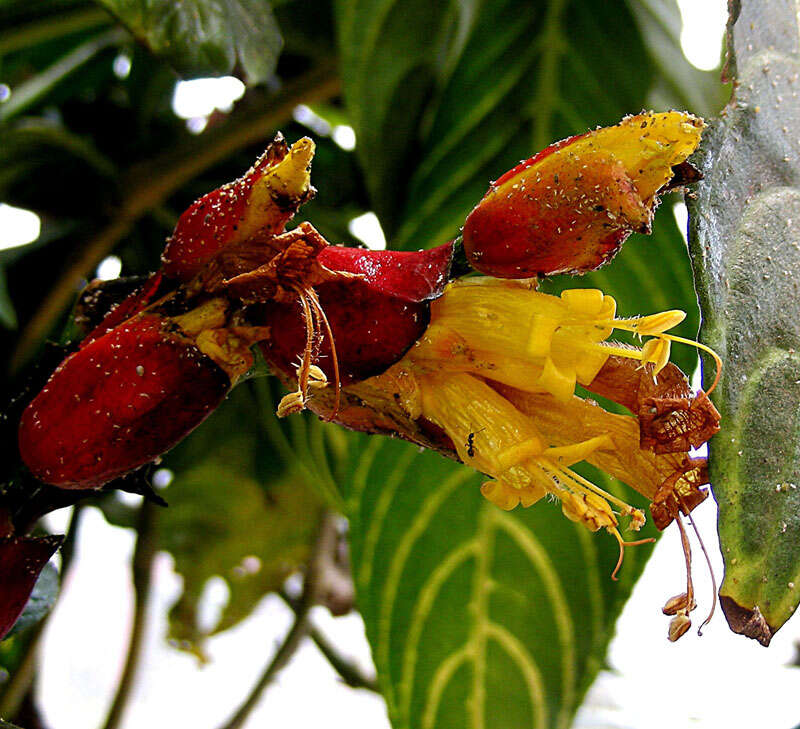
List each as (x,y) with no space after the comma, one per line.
(746,228)
(681,83)
(527,76)
(469,608)
(8,316)
(206,37)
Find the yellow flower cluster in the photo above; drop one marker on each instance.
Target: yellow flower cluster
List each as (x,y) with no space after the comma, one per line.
(496,370)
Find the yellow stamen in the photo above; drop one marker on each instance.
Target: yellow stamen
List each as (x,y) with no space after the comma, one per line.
(700,345)
(637,521)
(652,324)
(656,351)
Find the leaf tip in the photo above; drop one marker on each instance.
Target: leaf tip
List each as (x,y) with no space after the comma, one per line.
(746,621)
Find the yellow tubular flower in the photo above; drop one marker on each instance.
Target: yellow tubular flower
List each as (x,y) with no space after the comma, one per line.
(536,342)
(496,370)
(496,438)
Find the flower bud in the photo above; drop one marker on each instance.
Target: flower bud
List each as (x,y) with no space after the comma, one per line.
(258,204)
(118,403)
(569,208)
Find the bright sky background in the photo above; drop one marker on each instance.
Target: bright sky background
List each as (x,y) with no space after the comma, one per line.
(719,680)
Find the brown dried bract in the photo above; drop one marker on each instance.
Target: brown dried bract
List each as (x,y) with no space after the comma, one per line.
(680,493)
(671,418)
(293,266)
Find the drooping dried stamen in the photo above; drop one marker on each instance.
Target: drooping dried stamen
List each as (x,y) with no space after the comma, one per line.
(681,605)
(313,317)
(622,545)
(337,381)
(710,569)
(687,555)
(295,401)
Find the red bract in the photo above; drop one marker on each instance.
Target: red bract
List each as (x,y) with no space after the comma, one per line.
(258,204)
(125,309)
(408,275)
(21,561)
(374,317)
(118,403)
(569,208)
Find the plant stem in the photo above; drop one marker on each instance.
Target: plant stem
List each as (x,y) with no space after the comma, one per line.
(31,91)
(56,25)
(142,567)
(148,184)
(325,541)
(349,671)
(22,681)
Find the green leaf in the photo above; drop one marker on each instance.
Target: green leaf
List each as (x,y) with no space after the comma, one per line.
(29,24)
(389,56)
(36,88)
(476,616)
(45,166)
(206,37)
(226,508)
(746,251)
(8,725)
(41,601)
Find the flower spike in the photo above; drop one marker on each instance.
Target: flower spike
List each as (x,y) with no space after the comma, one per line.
(484,370)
